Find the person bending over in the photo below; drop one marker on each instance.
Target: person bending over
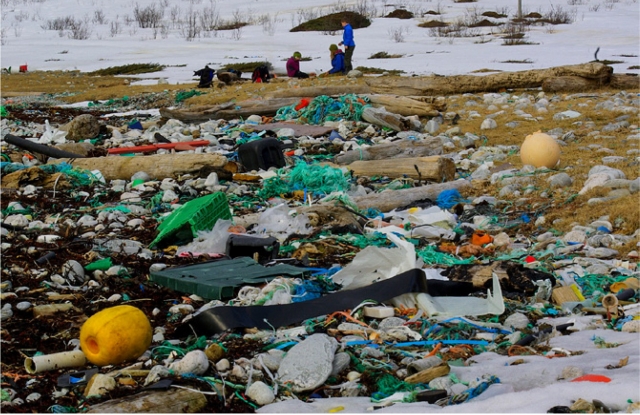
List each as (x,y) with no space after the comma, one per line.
(337,60)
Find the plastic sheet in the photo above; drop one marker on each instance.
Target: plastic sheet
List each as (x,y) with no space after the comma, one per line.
(374,264)
(456,306)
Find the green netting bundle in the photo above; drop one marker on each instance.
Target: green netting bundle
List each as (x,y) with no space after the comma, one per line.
(430,256)
(312,178)
(324,108)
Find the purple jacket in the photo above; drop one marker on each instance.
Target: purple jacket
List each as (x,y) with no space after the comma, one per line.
(293,67)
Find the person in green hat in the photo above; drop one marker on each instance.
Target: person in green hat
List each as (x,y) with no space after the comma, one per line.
(293,66)
(337,61)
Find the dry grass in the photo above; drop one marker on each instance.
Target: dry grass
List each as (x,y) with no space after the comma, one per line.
(563,208)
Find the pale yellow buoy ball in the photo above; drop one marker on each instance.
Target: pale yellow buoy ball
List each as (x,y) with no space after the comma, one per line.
(540,150)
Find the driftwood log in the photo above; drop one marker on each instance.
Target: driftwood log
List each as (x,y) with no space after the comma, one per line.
(384,118)
(158,402)
(316,91)
(392,199)
(229,110)
(430,146)
(432,168)
(570,84)
(408,106)
(447,85)
(625,81)
(159,166)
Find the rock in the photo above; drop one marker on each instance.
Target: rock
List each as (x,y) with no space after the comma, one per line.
(340,362)
(83,127)
(516,321)
(214,352)
(632,326)
(309,363)
(560,180)
(260,393)
(195,362)
(223,365)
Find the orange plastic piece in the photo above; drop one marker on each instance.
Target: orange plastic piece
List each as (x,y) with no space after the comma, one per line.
(592,378)
(303,103)
(481,238)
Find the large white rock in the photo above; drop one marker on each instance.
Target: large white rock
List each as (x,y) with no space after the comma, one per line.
(309,363)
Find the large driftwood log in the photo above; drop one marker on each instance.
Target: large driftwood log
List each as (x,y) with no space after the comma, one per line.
(159,166)
(158,402)
(446,85)
(230,111)
(392,199)
(430,146)
(316,91)
(570,84)
(432,168)
(407,106)
(625,81)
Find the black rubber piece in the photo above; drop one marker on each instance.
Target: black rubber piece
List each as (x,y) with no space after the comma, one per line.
(40,148)
(219,319)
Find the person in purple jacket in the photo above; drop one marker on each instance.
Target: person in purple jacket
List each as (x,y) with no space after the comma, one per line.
(349,44)
(293,66)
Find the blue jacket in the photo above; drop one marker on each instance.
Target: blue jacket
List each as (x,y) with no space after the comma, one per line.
(347,36)
(337,63)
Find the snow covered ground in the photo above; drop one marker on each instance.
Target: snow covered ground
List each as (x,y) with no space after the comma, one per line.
(114,37)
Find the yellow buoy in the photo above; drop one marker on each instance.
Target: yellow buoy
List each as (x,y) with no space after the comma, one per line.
(540,150)
(115,335)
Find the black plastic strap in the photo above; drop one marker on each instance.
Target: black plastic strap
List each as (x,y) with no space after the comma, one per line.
(219,319)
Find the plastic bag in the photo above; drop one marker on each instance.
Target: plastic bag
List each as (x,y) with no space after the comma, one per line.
(52,135)
(209,242)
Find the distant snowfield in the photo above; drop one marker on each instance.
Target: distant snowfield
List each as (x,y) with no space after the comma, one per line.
(115,38)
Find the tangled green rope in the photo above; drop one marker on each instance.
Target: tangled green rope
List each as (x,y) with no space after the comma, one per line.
(324,108)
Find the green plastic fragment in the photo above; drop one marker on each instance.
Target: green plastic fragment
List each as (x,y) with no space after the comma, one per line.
(5,396)
(102,264)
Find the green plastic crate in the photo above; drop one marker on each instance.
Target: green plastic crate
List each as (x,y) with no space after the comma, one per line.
(195,215)
(216,280)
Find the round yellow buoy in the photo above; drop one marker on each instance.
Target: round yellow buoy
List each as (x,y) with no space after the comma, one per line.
(540,150)
(115,335)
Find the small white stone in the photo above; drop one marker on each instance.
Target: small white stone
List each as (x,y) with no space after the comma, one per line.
(195,362)
(23,305)
(223,365)
(260,393)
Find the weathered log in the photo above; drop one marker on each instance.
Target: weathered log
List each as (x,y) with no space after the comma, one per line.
(392,199)
(407,106)
(159,166)
(229,111)
(432,168)
(430,146)
(570,84)
(384,118)
(316,91)
(446,85)
(160,402)
(625,81)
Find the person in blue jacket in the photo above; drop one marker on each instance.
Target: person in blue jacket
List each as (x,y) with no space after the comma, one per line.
(348,43)
(337,60)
